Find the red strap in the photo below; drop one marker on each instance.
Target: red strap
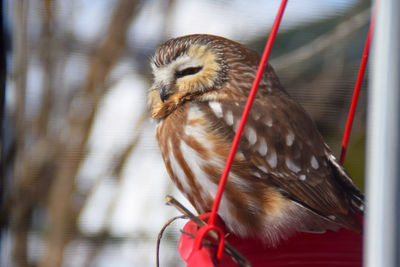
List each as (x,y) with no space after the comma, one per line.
(356,93)
(246,112)
(202,233)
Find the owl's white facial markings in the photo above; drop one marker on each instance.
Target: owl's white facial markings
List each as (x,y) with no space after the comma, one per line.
(194,72)
(186,62)
(166,74)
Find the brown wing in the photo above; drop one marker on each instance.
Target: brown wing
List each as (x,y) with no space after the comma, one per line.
(284,148)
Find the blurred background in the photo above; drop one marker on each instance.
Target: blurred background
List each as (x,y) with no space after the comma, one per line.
(82,182)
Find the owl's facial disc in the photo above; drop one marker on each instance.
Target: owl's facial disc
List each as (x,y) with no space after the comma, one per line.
(180,73)
(193,72)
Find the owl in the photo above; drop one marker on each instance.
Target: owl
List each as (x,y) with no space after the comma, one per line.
(284,177)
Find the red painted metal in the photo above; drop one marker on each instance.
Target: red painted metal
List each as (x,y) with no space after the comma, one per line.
(330,249)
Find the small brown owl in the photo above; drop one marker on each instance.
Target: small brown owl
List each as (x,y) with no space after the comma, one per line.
(284,177)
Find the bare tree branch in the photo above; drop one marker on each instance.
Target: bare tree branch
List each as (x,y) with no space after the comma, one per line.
(21,212)
(62,214)
(322,42)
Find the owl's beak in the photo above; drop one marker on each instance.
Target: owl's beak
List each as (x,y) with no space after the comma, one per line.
(165,93)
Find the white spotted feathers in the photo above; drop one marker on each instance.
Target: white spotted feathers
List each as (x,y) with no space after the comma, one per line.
(256,134)
(216,108)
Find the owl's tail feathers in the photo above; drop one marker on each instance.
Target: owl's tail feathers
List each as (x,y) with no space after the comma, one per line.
(355,197)
(315,222)
(357,202)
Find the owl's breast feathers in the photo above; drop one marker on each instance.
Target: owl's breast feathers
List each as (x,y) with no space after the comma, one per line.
(281,179)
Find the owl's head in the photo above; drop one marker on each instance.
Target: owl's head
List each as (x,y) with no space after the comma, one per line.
(202,67)
(185,68)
